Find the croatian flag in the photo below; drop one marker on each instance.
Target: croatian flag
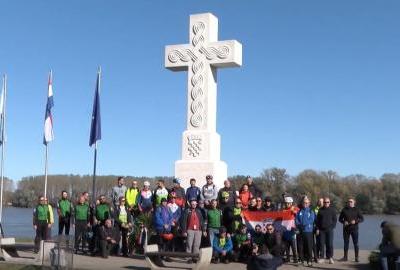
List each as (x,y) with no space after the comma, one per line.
(282,220)
(48,119)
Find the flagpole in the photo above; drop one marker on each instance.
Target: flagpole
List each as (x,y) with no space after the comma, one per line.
(94,174)
(2,151)
(45,170)
(95,149)
(46,159)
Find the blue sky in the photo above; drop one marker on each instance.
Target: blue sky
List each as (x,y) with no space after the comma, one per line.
(319,86)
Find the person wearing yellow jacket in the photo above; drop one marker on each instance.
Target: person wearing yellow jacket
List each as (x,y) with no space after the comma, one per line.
(51,218)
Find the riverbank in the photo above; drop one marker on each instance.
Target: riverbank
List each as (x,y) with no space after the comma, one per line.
(138,263)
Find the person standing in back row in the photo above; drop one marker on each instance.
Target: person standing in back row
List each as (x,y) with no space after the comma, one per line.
(326,223)
(118,191)
(350,216)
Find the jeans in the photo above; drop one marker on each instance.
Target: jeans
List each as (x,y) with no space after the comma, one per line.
(211,234)
(326,238)
(346,238)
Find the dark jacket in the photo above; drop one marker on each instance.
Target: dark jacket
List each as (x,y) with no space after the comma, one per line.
(264,262)
(186,216)
(273,241)
(326,219)
(231,198)
(112,232)
(348,214)
(255,190)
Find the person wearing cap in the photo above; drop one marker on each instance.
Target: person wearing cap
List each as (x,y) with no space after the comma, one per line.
(162,223)
(350,217)
(192,192)
(132,198)
(209,191)
(231,194)
(289,236)
(222,247)
(123,221)
(325,224)
(145,201)
(160,192)
(118,191)
(253,188)
(193,227)
(180,194)
(214,218)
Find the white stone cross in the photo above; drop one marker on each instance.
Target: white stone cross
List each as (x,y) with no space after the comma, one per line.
(201,58)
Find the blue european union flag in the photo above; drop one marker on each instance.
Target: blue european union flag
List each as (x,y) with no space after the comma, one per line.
(95,129)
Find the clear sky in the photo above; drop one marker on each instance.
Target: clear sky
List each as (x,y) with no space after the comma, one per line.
(319,86)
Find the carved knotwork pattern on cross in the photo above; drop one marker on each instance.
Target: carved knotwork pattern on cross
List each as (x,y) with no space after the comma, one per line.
(198,56)
(194,145)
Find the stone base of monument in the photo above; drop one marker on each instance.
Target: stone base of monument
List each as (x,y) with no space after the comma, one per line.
(197,169)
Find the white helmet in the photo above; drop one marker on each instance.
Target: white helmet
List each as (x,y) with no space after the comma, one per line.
(146,183)
(288,200)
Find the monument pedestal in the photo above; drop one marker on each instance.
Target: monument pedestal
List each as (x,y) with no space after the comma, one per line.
(198,169)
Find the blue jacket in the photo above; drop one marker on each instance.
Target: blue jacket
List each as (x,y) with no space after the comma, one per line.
(305,220)
(193,193)
(162,216)
(227,247)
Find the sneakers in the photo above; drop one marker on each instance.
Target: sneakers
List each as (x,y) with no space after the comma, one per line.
(310,264)
(344,259)
(331,261)
(321,261)
(357,260)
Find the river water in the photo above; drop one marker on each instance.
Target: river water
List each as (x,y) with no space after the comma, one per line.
(17,222)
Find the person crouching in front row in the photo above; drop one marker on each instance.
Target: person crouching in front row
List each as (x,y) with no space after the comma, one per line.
(108,239)
(222,247)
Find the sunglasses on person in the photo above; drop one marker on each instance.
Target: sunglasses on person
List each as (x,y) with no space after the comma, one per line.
(327,202)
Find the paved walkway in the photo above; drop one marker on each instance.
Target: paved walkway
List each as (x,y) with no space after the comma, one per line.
(138,263)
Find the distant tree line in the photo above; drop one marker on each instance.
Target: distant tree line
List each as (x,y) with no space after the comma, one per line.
(373,195)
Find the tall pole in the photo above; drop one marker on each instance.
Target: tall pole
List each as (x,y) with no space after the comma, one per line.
(3,126)
(95,148)
(94,175)
(46,169)
(46,158)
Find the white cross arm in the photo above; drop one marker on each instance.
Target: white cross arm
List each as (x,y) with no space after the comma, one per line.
(178,57)
(218,54)
(223,53)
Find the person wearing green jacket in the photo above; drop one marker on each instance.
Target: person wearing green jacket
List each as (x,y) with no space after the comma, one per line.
(102,212)
(214,216)
(81,223)
(41,222)
(64,210)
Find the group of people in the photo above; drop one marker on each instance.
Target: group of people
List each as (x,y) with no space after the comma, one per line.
(185,220)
